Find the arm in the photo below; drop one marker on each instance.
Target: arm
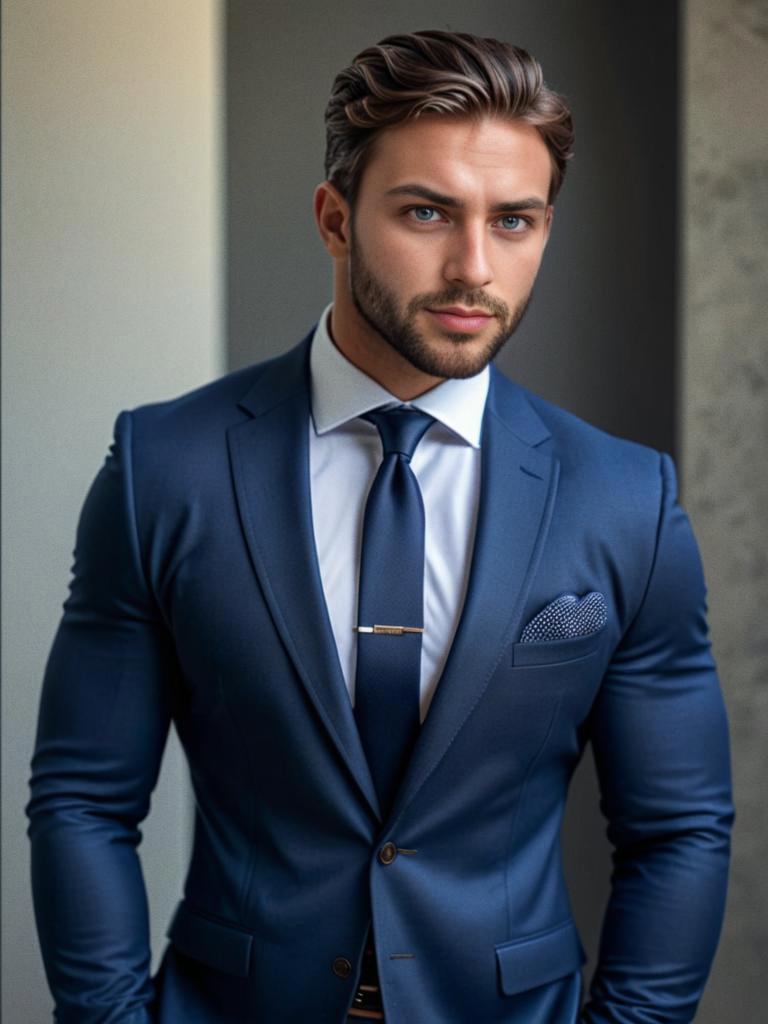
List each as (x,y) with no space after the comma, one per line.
(660,742)
(104,719)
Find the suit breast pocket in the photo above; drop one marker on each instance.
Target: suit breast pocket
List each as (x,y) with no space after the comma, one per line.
(539,695)
(567,671)
(556,652)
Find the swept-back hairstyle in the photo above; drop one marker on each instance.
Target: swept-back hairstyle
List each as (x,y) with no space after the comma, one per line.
(437,72)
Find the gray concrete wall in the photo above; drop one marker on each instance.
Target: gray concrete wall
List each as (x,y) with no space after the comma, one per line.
(111,257)
(724,433)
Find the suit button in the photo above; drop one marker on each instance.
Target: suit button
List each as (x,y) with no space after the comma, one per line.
(387,853)
(342,967)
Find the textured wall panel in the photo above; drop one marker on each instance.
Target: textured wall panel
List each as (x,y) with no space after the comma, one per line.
(724,418)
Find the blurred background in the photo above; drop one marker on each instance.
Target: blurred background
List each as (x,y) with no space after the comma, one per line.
(158,163)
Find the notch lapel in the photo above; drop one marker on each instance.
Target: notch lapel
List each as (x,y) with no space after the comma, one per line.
(269,456)
(517,493)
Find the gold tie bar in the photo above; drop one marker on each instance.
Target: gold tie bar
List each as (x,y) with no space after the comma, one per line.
(392,630)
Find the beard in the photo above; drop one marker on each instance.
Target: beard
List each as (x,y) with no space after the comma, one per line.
(377,305)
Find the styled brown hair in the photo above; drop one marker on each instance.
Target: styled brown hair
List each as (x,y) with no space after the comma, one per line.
(437,72)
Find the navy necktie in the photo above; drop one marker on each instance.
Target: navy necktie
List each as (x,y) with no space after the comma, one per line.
(390,616)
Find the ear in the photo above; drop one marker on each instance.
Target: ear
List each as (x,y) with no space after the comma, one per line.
(332,216)
(549,215)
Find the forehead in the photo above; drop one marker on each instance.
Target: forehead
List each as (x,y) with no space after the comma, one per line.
(461,156)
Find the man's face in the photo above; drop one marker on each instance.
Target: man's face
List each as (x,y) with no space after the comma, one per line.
(447,236)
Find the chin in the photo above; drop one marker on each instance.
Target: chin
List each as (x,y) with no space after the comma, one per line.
(453,363)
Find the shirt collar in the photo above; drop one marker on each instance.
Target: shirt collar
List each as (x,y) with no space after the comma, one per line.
(341,392)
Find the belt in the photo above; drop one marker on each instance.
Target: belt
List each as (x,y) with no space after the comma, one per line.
(367,1004)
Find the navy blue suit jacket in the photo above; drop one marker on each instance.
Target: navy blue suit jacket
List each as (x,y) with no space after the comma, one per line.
(197,598)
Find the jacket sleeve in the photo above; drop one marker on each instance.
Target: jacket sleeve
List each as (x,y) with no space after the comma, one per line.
(103,722)
(660,741)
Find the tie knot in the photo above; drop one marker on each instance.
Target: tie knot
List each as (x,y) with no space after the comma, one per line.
(401,429)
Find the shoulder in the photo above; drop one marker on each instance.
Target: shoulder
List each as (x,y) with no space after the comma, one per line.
(583,451)
(576,439)
(202,416)
(216,402)
(613,488)
(621,498)
(174,452)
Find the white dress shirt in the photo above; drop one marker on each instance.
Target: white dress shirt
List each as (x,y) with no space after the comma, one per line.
(344,455)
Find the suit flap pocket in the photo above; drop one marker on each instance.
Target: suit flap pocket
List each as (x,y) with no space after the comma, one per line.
(537,959)
(222,946)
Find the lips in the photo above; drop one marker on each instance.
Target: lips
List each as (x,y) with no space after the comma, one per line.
(460,311)
(455,318)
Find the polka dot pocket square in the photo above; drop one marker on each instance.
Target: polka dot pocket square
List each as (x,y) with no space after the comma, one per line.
(566,617)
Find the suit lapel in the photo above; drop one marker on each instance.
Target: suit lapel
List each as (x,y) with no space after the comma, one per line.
(270,465)
(518,486)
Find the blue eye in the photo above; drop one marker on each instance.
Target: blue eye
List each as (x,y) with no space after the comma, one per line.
(512,222)
(428,210)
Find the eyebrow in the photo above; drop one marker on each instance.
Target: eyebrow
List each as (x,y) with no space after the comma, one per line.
(412,189)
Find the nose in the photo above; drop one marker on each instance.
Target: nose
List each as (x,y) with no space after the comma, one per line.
(468,260)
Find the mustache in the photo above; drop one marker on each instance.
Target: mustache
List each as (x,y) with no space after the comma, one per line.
(475,299)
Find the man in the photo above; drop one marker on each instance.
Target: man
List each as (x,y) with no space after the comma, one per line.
(387,596)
